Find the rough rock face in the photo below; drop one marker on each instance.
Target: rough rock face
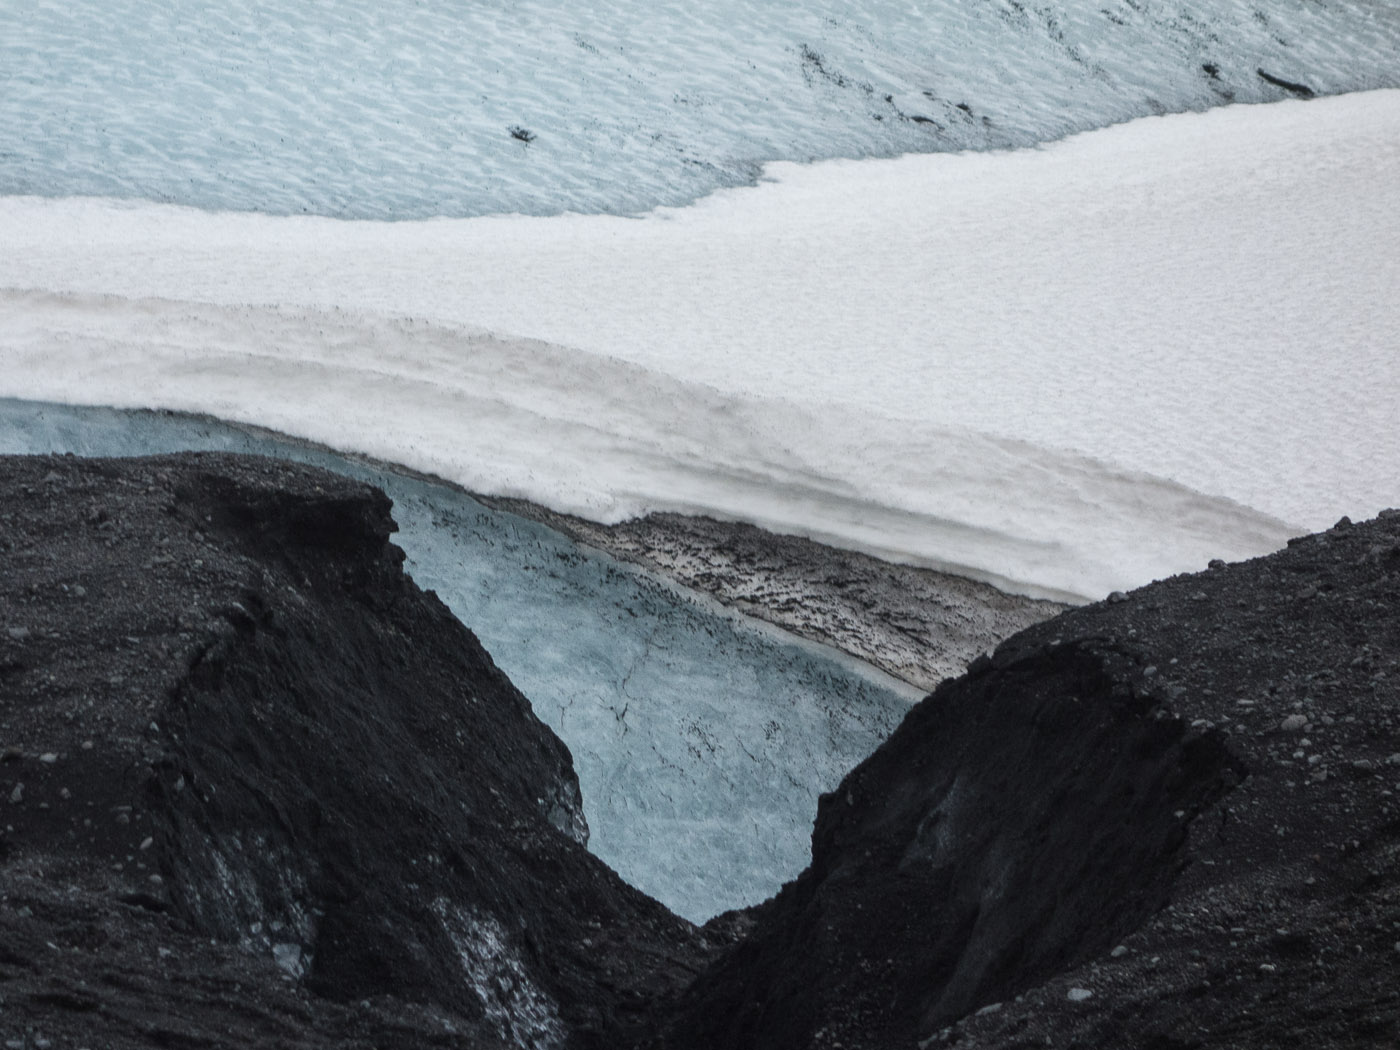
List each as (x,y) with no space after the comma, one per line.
(256,788)
(228,714)
(1162,821)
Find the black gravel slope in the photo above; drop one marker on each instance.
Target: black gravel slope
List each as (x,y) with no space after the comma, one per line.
(258,786)
(1163,821)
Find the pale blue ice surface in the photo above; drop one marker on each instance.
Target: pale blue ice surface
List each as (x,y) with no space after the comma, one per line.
(396,109)
(701,741)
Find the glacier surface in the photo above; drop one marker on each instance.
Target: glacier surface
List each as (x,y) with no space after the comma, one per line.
(1065,369)
(701,739)
(393,109)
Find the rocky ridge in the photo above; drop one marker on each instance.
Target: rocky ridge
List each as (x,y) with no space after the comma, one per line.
(1166,820)
(258,787)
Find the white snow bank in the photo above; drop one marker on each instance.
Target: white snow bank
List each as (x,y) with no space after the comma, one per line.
(889,355)
(607,439)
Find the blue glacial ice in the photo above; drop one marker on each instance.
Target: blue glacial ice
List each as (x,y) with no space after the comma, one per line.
(701,740)
(394,109)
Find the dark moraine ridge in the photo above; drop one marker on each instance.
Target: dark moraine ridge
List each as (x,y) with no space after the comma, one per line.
(1167,820)
(258,789)
(228,714)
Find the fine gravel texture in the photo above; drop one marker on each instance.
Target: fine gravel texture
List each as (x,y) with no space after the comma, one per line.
(259,789)
(1166,820)
(917,624)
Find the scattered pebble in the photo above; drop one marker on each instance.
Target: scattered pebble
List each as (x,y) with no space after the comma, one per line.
(288,957)
(1293,723)
(147,842)
(17,634)
(1119,952)
(1079,995)
(17,795)
(48,758)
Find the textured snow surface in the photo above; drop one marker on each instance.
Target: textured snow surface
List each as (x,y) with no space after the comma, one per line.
(403,108)
(1069,369)
(701,739)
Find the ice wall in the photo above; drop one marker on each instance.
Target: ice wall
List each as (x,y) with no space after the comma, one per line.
(701,739)
(405,109)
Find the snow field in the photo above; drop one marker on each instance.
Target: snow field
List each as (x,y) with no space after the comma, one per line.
(1066,370)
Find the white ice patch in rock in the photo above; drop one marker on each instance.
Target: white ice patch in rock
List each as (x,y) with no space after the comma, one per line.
(288,958)
(248,892)
(517,1008)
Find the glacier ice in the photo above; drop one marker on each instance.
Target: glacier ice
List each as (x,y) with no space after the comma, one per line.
(395,109)
(701,740)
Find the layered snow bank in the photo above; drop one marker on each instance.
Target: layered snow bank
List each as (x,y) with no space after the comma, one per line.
(1068,369)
